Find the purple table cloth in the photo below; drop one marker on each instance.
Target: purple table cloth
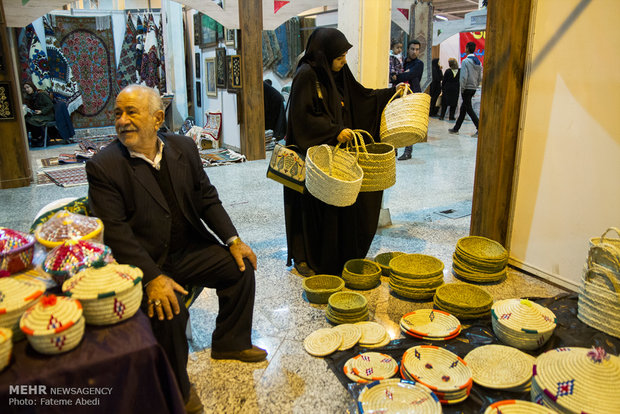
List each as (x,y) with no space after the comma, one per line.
(115,369)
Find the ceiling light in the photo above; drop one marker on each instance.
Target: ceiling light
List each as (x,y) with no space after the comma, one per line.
(440,17)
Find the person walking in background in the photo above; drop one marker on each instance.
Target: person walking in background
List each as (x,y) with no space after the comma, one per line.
(471,75)
(435,86)
(413,70)
(450,89)
(396,59)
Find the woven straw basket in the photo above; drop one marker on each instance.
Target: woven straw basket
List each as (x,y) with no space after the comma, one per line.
(54,325)
(405,121)
(109,294)
(6,346)
(333,175)
(320,287)
(378,161)
(361,274)
(65,260)
(16,250)
(15,297)
(612,241)
(599,300)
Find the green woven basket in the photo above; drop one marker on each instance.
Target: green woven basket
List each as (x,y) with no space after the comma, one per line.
(383,260)
(320,287)
(416,265)
(464,296)
(347,302)
(361,274)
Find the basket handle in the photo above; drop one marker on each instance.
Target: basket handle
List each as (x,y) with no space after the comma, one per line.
(601,271)
(362,132)
(616,229)
(401,92)
(358,142)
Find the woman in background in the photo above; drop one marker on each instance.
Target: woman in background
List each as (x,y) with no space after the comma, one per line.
(450,89)
(40,110)
(326,102)
(435,86)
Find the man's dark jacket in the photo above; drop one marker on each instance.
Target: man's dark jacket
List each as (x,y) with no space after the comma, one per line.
(125,195)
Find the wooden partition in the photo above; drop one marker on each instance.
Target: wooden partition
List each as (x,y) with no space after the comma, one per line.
(500,113)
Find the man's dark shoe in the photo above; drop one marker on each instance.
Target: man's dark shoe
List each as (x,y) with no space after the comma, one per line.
(254,354)
(304,269)
(193,404)
(453,131)
(404,157)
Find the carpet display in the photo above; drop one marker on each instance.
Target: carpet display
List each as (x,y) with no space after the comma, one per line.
(94,65)
(149,69)
(64,86)
(126,73)
(33,59)
(221,156)
(68,177)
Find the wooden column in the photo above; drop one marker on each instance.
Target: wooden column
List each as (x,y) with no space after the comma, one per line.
(251,102)
(500,113)
(14,163)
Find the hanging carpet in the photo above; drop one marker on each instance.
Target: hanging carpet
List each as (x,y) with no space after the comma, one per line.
(159,34)
(283,66)
(64,86)
(91,53)
(33,59)
(127,72)
(149,71)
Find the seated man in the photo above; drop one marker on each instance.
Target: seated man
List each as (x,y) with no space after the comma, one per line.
(152,194)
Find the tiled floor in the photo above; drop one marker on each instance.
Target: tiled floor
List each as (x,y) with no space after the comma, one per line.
(437,178)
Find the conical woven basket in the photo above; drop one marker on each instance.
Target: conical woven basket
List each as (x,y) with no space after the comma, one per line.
(333,175)
(16,296)
(109,294)
(404,121)
(69,226)
(65,260)
(522,323)
(378,161)
(54,325)
(16,250)
(577,380)
(6,346)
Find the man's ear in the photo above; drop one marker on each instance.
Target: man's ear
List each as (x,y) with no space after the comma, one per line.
(159,117)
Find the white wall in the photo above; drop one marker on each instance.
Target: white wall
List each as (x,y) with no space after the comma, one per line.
(450,48)
(568,172)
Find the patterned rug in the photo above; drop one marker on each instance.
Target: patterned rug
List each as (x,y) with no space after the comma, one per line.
(221,156)
(91,52)
(42,179)
(127,71)
(33,59)
(49,162)
(68,177)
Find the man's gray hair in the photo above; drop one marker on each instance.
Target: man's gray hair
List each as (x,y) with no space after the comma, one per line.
(155,102)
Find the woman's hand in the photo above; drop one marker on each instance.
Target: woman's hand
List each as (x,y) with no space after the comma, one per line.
(345,135)
(401,87)
(37,112)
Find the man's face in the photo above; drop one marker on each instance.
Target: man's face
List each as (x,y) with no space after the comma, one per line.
(339,62)
(135,125)
(413,51)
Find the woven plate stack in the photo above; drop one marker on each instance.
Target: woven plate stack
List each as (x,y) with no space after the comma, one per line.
(65,260)
(324,341)
(577,380)
(478,259)
(397,396)
(463,301)
(430,324)
(15,297)
(68,226)
(371,366)
(517,407)
(440,370)
(320,287)
(383,260)
(374,335)
(522,323)
(416,276)
(16,250)
(346,307)
(54,325)
(110,294)
(501,367)
(6,346)
(361,274)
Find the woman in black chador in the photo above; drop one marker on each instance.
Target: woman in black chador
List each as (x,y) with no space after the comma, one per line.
(326,102)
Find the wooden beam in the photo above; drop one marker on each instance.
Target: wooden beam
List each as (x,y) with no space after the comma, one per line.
(253,111)
(14,163)
(500,112)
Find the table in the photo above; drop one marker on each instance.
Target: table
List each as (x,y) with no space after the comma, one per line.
(115,369)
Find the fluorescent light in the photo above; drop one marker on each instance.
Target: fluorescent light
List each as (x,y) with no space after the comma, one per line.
(440,17)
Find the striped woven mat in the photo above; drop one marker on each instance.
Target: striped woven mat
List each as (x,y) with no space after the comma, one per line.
(68,177)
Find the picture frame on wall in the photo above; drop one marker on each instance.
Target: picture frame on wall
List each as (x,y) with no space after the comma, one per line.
(210,75)
(6,102)
(220,32)
(220,67)
(229,80)
(197,28)
(208,32)
(197,58)
(198,95)
(229,37)
(235,67)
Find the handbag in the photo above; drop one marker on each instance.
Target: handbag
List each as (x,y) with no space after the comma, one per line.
(288,167)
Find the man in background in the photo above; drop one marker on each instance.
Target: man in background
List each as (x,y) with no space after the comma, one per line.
(471,75)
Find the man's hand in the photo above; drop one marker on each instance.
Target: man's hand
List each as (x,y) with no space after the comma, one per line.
(345,135)
(161,297)
(239,250)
